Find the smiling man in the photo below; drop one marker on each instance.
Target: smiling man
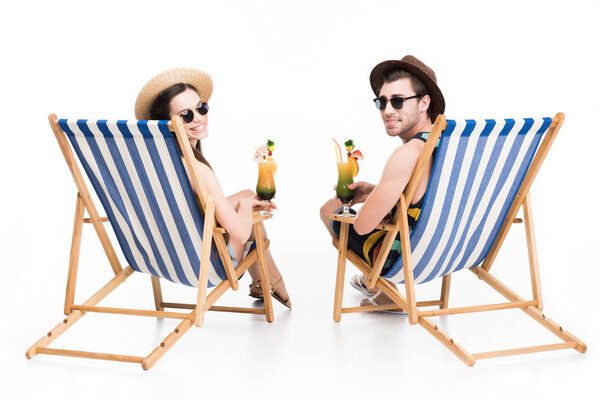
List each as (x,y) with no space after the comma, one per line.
(409,100)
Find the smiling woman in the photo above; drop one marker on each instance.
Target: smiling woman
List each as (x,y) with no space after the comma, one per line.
(186,92)
(181,94)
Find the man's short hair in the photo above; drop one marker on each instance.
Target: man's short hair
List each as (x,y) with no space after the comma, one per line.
(418,86)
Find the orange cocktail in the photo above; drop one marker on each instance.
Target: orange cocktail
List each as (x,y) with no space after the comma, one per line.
(265,187)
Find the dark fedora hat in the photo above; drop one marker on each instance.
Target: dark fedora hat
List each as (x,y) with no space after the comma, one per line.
(417,68)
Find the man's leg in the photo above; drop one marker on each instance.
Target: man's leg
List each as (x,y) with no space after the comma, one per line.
(327,209)
(330,207)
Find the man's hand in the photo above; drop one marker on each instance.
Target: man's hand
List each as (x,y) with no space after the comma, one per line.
(362,191)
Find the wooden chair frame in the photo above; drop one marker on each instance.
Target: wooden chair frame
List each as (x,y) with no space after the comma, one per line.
(204,301)
(533,307)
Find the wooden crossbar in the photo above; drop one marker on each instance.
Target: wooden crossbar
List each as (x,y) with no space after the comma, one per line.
(245,310)
(473,309)
(129,311)
(88,354)
(381,307)
(525,350)
(385,307)
(89,220)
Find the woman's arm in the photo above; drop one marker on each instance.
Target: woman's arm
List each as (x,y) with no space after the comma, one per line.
(236,220)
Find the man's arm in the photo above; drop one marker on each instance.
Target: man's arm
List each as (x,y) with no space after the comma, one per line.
(385,195)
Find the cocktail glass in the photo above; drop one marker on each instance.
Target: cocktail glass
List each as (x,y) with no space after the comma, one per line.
(345,178)
(265,188)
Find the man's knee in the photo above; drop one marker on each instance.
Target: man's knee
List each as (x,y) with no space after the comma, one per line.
(327,209)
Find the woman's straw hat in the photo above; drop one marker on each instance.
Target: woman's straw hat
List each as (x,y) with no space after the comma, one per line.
(198,79)
(420,70)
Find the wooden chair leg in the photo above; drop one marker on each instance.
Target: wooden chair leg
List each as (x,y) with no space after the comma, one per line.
(264,272)
(74,257)
(158,299)
(341,272)
(166,344)
(76,315)
(444,296)
(209,221)
(536,287)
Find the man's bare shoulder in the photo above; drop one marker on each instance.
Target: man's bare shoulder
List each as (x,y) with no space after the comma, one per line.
(405,155)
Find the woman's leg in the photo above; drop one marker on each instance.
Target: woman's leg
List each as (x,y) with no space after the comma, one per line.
(274,274)
(238,247)
(234,198)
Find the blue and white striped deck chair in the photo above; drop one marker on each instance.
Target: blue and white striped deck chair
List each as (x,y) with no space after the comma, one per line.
(480,179)
(162,219)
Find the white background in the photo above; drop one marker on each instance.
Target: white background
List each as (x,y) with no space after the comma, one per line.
(296,73)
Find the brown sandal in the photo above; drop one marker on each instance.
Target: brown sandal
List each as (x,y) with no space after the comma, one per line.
(258,294)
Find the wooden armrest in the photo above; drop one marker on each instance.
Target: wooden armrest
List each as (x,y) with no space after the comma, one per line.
(350,220)
(337,217)
(256,217)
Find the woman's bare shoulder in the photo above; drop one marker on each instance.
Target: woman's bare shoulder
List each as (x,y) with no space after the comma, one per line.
(207,175)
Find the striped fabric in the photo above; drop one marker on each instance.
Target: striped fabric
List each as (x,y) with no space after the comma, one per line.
(139,177)
(477,172)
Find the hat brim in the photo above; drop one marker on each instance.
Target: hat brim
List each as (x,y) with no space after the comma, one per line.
(438,104)
(199,79)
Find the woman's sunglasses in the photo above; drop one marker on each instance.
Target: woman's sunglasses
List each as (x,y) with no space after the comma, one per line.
(396,102)
(188,115)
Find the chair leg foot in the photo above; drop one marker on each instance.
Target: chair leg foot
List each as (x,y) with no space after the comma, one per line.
(166,344)
(447,341)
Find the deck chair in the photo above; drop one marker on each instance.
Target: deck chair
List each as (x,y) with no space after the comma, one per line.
(480,179)
(162,217)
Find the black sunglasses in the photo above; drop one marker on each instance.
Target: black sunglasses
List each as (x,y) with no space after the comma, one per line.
(188,115)
(396,102)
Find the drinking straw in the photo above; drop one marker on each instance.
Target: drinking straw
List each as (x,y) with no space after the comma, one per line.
(336,153)
(260,159)
(339,149)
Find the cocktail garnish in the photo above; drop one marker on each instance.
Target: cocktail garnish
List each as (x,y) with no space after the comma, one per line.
(349,144)
(353,156)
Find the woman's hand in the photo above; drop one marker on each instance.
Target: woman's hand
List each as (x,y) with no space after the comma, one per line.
(256,204)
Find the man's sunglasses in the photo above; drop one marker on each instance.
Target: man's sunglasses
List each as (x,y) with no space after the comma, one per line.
(188,115)
(396,102)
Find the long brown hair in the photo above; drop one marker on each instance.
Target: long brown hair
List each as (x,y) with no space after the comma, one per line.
(161,110)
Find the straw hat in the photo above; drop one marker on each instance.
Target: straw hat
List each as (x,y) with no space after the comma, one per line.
(417,68)
(198,79)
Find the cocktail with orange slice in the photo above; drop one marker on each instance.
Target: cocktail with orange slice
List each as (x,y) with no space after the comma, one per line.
(347,170)
(345,178)
(265,187)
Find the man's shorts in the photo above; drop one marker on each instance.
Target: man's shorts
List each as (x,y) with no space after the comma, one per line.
(367,246)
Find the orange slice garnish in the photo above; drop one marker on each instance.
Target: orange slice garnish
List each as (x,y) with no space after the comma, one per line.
(354,166)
